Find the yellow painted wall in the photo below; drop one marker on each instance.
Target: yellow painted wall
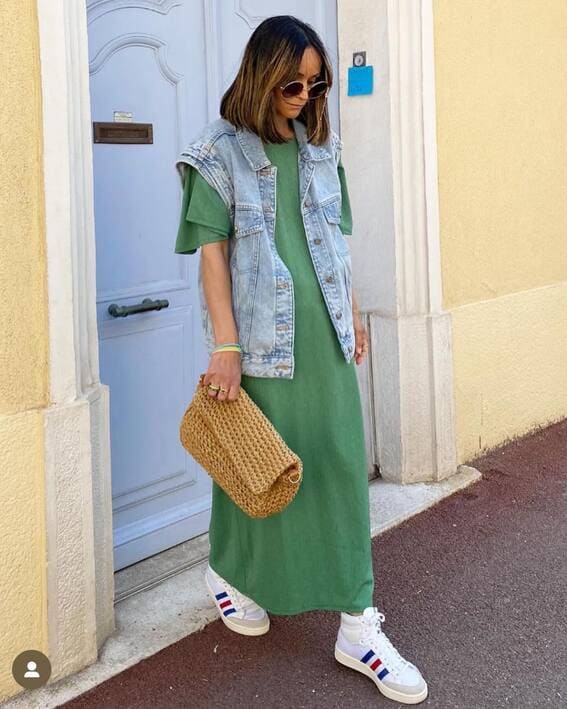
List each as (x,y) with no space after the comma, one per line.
(23,344)
(501,76)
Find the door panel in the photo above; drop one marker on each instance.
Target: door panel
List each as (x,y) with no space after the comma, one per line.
(167,62)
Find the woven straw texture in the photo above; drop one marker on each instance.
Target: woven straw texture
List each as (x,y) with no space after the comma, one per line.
(241,450)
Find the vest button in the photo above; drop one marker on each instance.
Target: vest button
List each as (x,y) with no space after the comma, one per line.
(339,316)
(316,241)
(329,279)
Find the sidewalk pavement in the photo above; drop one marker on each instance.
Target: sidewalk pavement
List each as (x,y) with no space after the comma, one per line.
(474,591)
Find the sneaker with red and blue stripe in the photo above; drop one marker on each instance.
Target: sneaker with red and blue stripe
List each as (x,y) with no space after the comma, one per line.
(238,612)
(362,645)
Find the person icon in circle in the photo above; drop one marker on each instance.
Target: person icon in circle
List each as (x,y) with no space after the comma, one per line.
(32,669)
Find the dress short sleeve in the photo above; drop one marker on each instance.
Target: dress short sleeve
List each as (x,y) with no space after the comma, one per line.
(346,214)
(204,216)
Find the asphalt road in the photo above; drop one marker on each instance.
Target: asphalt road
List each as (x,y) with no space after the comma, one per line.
(474,591)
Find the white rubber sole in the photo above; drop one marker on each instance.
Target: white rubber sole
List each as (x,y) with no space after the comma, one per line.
(355,664)
(237,627)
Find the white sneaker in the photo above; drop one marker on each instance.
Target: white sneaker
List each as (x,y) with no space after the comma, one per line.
(237,611)
(363,646)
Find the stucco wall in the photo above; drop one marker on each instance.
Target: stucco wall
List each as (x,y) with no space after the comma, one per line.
(501,75)
(23,345)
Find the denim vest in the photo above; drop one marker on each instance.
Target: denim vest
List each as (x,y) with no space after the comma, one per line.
(233,162)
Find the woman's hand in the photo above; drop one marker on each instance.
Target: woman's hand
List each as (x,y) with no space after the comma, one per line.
(224,371)
(360,339)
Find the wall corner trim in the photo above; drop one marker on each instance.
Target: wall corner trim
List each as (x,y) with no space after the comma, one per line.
(419,336)
(77,461)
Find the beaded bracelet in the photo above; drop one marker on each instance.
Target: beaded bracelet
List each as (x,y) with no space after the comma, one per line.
(228,347)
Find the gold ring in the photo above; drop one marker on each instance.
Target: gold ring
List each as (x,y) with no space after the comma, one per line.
(223,389)
(212,386)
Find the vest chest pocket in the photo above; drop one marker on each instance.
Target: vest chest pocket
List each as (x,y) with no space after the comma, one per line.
(332,212)
(248,219)
(248,225)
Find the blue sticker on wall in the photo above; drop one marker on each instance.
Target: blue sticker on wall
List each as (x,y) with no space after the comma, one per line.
(360,80)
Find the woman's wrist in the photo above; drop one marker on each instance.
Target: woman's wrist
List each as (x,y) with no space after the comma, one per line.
(355,313)
(228,347)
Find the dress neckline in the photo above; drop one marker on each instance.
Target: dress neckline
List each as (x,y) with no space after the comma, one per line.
(287,141)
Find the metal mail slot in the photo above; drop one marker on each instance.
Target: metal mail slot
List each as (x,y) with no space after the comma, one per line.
(118,132)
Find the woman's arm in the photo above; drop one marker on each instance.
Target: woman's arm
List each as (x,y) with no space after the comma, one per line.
(224,367)
(360,333)
(355,310)
(218,290)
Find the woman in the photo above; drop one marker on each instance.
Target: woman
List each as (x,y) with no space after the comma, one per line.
(266,200)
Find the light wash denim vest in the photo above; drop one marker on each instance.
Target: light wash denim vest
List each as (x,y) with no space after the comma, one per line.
(233,162)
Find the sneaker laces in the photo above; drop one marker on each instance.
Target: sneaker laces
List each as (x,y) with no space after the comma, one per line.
(376,638)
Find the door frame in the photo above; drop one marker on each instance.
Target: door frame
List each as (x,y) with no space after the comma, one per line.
(396,182)
(77,422)
(78,499)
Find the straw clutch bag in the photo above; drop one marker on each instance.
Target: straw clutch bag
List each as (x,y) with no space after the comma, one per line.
(242,452)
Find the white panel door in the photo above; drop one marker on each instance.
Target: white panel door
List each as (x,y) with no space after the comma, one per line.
(166,62)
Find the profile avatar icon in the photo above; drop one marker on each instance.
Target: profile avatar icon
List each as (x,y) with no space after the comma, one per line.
(32,669)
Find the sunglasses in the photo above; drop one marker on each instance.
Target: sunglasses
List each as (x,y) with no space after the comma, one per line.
(294,88)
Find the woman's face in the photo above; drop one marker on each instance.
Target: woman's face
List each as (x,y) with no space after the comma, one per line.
(309,70)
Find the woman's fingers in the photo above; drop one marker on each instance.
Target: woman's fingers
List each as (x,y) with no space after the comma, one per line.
(227,392)
(230,394)
(222,395)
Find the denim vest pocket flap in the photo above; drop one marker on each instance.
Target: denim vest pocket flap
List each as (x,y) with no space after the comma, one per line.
(248,219)
(333,211)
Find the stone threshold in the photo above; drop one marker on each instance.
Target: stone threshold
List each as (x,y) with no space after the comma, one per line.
(163,599)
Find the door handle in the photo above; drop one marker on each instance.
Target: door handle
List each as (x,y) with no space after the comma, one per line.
(121,311)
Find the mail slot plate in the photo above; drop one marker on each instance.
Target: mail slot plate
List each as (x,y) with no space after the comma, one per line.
(121,132)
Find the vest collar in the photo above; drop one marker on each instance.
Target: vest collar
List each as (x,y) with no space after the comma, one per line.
(254,152)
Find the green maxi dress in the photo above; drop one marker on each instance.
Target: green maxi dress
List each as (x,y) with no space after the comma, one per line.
(316,553)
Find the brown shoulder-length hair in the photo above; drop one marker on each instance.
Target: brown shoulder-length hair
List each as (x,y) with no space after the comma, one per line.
(271,58)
